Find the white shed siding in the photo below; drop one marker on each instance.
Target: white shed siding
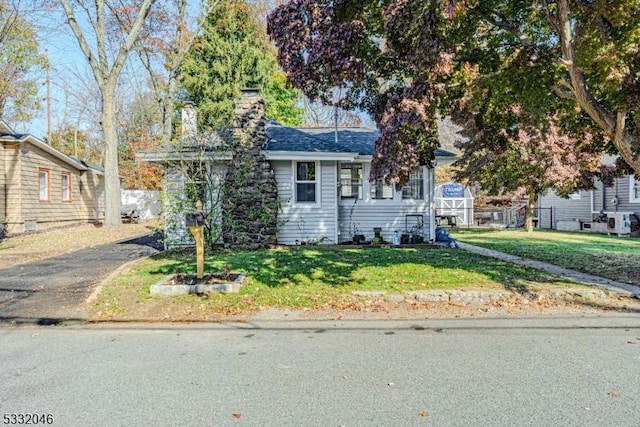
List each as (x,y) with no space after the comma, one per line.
(175,206)
(307,221)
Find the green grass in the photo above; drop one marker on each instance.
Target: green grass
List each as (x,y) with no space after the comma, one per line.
(317,277)
(616,258)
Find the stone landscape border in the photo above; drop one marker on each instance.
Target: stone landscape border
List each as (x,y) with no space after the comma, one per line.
(167,287)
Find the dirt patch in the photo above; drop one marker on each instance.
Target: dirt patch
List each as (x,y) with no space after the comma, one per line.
(32,247)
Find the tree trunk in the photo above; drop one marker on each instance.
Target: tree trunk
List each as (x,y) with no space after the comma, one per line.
(167,116)
(528,214)
(112,189)
(613,123)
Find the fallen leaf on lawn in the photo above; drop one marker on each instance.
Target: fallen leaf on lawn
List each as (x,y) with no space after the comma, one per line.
(237,415)
(424,413)
(613,393)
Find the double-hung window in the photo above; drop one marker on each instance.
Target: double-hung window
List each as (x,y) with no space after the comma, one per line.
(305,182)
(66,186)
(44,180)
(351,180)
(414,188)
(380,190)
(634,186)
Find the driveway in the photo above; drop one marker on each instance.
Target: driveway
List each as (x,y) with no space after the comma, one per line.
(54,289)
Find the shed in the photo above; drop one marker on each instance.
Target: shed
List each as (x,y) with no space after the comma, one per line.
(453,204)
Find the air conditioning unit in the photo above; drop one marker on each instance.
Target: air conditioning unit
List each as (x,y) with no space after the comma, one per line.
(619,223)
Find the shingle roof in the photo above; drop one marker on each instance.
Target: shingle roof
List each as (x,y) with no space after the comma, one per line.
(25,137)
(350,140)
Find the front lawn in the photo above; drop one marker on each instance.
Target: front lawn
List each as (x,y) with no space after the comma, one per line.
(316,277)
(616,258)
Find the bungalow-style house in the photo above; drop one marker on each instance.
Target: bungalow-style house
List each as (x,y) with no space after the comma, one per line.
(320,179)
(41,188)
(603,209)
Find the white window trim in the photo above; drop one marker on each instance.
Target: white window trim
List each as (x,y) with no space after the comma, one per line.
(633,182)
(394,194)
(47,188)
(294,181)
(425,171)
(359,196)
(69,196)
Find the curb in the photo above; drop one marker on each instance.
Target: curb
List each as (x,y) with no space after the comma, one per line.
(485,297)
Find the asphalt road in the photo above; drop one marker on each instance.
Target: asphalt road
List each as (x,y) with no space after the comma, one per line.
(55,289)
(564,371)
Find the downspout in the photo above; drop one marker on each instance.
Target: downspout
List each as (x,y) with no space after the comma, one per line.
(432,216)
(336,234)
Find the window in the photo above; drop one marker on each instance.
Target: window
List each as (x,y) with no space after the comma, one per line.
(634,186)
(305,178)
(66,186)
(45,183)
(414,188)
(380,190)
(351,180)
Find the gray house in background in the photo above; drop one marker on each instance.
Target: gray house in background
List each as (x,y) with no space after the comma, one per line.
(592,210)
(321,177)
(41,188)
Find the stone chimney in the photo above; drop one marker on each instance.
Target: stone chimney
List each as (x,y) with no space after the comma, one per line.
(189,117)
(249,204)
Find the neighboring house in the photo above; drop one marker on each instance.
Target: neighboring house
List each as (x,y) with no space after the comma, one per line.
(40,187)
(321,176)
(591,206)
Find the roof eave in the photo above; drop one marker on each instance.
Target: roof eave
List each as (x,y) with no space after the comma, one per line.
(309,155)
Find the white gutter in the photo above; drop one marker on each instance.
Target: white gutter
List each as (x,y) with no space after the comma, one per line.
(309,155)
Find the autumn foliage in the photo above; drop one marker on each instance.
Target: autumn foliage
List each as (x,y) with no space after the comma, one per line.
(406,61)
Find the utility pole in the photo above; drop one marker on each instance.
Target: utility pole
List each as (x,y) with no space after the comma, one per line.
(48,83)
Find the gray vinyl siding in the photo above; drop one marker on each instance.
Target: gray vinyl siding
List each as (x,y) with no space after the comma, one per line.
(362,215)
(307,221)
(622,189)
(554,208)
(570,210)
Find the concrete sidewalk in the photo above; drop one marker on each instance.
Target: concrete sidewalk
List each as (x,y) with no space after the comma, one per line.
(55,289)
(617,288)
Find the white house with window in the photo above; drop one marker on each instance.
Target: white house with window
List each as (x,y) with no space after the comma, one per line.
(321,180)
(593,205)
(325,193)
